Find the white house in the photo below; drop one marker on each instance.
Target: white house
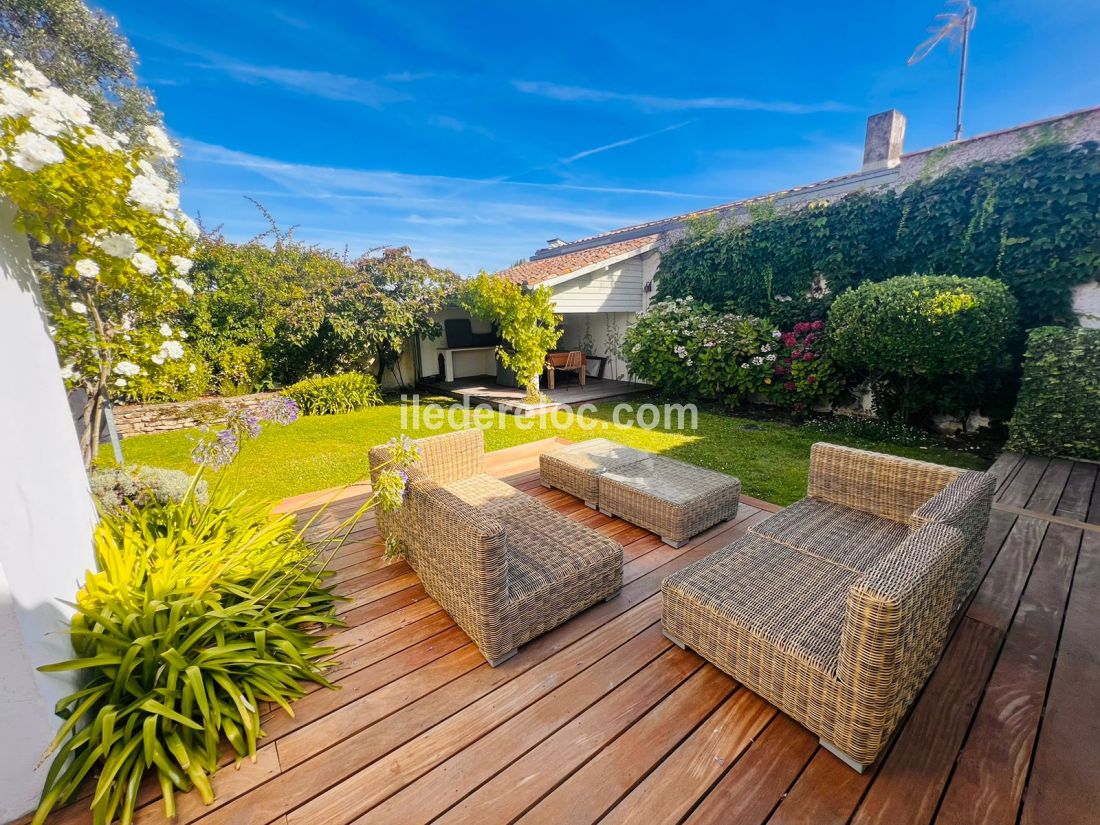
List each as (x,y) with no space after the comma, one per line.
(601,282)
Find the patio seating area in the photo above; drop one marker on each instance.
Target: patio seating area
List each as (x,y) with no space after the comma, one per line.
(484,389)
(603,719)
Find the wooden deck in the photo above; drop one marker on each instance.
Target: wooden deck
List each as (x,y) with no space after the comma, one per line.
(603,720)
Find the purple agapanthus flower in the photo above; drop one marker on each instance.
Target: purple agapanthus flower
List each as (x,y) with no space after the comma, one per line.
(280,410)
(217,452)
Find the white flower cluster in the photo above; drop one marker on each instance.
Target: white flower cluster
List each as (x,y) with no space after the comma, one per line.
(52,113)
(169,349)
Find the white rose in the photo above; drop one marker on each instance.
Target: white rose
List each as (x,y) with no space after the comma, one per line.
(159,142)
(183,286)
(16,101)
(158,359)
(127,368)
(98,138)
(189,226)
(29,75)
(118,245)
(183,335)
(121,382)
(181,264)
(166,330)
(67,371)
(86,268)
(169,224)
(121,137)
(63,106)
(149,191)
(78,307)
(143,263)
(46,125)
(173,349)
(191,369)
(33,151)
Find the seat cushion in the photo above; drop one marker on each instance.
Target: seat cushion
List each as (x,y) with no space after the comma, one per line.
(488,494)
(842,535)
(793,601)
(547,550)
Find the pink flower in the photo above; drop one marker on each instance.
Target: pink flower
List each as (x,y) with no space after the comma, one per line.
(810,379)
(789,386)
(809,356)
(819,325)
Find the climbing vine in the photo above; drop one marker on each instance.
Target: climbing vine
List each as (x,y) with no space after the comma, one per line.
(1032,221)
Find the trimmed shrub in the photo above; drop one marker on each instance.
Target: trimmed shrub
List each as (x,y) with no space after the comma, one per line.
(135,486)
(925,341)
(334,394)
(1058,411)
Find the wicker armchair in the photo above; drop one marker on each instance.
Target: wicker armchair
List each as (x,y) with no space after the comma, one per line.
(837,609)
(504,566)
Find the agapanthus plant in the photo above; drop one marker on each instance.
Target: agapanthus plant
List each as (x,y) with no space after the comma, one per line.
(112,248)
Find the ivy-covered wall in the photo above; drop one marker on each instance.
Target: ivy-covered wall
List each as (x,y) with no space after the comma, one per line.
(1032,221)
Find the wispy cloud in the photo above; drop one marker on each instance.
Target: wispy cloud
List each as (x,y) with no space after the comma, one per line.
(327,85)
(657,103)
(624,142)
(365,182)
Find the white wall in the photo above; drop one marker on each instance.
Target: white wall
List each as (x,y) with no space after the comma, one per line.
(605,328)
(46,518)
(1086,304)
(467,364)
(615,288)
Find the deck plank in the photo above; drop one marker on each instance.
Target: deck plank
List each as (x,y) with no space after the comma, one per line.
(748,792)
(988,782)
(1064,785)
(908,786)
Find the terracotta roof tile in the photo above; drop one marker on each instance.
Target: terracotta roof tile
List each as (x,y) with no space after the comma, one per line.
(535,272)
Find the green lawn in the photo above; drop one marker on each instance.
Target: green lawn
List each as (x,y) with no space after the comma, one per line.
(770,458)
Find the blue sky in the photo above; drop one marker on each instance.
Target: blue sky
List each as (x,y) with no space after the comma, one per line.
(475,132)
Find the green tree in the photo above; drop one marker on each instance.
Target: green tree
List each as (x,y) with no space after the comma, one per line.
(82,51)
(271,298)
(390,298)
(525,319)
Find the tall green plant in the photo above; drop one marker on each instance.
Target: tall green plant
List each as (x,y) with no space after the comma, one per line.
(525,319)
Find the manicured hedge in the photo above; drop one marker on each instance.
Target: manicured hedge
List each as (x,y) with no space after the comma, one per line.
(934,343)
(1058,411)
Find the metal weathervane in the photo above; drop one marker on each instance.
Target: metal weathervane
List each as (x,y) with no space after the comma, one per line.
(954,27)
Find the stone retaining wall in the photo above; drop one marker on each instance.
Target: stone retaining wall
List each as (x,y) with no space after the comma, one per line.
(141,419)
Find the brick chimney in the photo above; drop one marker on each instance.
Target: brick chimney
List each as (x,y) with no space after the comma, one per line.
(883,145)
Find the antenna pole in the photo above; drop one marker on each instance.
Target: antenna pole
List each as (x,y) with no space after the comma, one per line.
(962,72)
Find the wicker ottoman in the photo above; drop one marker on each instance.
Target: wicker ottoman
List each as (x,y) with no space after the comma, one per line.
(668,497)
(576,468)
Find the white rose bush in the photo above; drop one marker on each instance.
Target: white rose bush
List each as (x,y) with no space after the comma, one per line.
(113,249)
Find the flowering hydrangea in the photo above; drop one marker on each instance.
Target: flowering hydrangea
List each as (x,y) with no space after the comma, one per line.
(183,286)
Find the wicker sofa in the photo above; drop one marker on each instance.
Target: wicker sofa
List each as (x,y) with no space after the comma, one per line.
(838,608)
(503,565)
